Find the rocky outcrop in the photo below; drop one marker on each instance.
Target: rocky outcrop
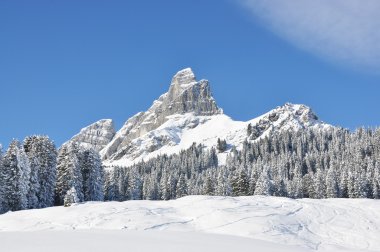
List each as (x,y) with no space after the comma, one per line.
(287,117)
(185,95)
(96,136)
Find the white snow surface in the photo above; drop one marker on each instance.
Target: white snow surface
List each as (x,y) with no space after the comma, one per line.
(115,241)
(198,222)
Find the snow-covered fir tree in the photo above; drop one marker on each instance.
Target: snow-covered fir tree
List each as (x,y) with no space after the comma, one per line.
(221,145)
(71,197)
(42,154)
(264,185)
(69,173)
(92,174)
(16,177)
(2,182)
(240,183)
(34,184)
(332,188)
(181,186)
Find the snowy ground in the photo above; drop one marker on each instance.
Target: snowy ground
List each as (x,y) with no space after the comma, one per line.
(198,222)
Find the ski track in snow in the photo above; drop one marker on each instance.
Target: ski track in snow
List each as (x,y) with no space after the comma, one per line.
(311,224)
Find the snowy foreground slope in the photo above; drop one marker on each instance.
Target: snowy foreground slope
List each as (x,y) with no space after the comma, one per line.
(203,222)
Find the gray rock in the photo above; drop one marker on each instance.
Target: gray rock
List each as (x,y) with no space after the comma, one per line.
(96,135)
(185,95)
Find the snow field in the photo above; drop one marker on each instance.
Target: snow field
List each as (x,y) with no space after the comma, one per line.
(326,225)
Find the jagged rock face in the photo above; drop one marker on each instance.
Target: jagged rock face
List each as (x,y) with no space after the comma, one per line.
(185,95)
(287,117)
(96,136)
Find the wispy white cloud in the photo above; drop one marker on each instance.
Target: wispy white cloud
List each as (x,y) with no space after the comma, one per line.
(343,31)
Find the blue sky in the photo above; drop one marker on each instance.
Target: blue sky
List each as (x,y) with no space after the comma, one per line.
(67,64)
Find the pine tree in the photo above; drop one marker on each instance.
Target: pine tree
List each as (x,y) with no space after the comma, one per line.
(135,185)
(360,186)
(280,188)
(110,185)
(172,185)
(43,156)
(16,177)
(68,173)
(164,186)
(152,189)
(332,190)
(296,184)
(223,187)
(308,186)
(264,184)
(253,180)
(34,185)
(181,186)
(208,188)
(376,182)
(92,174)
(240,183)
(249,130)
(221,145)
(71,197)
(343,184)
(2,183)
(320,184)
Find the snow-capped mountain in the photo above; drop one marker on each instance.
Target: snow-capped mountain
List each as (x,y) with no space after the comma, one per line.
(187,113)
(185,95)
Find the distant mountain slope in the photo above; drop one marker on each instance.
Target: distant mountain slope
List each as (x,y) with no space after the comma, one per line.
(187,113)
(323,225)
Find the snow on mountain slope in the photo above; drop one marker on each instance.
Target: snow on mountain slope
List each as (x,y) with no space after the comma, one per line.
(185,95)
(180,131)
(187,113)
(324,225)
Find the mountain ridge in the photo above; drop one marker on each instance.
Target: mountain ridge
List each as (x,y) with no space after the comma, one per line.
(187,113)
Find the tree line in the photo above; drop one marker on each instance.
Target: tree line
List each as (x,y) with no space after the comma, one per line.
(33,174)
(330,163)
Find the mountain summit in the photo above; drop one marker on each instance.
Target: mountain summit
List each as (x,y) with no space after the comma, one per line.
(185,95)
(187,113)
(188,95)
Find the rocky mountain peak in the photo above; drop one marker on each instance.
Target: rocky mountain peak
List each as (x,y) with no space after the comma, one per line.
(183,77)
(185,95)
(302,112)
(287,117)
